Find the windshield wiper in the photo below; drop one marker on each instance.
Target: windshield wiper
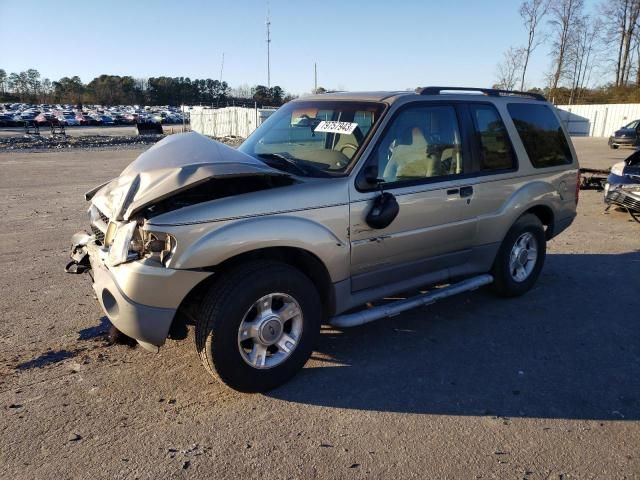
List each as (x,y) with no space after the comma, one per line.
(283,159)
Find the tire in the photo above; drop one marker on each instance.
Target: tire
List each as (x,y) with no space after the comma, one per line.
(234,302)
(513,276)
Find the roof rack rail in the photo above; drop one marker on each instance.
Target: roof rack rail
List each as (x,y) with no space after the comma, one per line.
(492,92)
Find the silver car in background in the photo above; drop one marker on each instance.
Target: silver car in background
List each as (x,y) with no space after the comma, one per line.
(335,201)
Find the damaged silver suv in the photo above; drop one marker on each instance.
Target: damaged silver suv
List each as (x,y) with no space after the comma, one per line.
(335,201)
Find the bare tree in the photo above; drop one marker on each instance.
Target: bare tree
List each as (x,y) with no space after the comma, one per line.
(508,71)
(638,59)
(3,81)
(621,21)
(633,12)
(580,52)
(532,13)
(563,17)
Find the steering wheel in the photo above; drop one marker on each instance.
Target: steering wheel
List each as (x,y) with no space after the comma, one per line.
(347,146)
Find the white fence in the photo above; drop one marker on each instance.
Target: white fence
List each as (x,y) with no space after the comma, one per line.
(227,122)
(597,120)
(580,120)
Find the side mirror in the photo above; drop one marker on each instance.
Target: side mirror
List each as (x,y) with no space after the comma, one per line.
(383,211)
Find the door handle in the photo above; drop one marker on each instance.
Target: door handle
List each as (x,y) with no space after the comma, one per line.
(453,191)
(466,191)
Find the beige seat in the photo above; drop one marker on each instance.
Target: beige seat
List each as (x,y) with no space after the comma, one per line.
(455,161)
(411,161)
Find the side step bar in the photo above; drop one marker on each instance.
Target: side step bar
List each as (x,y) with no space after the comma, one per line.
(395,308)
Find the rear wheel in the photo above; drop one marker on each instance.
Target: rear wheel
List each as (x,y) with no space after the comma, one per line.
(258,325)
(520,258)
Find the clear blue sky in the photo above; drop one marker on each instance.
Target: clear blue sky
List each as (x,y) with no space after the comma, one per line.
(357,44)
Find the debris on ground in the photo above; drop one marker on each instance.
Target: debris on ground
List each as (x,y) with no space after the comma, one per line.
(59,142)
(88,141)
(593,179)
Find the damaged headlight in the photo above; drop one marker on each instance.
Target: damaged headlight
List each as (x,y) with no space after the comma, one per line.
(630,187)
(159,246)
(119,250)
(128,242)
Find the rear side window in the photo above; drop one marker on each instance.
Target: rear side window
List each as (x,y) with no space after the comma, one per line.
(495,147)
(541,134)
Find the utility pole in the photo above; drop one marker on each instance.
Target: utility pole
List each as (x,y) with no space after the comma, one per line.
(221,67)
(268,48)
(315,78)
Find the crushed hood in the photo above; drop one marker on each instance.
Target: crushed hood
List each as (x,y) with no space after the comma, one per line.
(175,163)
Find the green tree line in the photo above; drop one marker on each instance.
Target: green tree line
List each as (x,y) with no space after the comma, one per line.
(30,87)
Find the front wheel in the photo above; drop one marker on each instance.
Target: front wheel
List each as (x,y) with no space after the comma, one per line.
(258,325)
(520,257)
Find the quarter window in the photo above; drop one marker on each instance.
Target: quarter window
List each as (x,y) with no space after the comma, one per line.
(541,134)
(495,147)
(421,143)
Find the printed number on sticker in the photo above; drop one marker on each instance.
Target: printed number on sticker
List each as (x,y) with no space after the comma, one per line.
(336,127)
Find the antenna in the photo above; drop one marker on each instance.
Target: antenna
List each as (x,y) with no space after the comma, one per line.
(268,47)
(221,67)
(315,78)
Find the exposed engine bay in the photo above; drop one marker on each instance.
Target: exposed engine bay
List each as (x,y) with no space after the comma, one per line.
(214,189)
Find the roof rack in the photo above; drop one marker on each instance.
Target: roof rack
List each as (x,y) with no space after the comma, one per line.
(492,92)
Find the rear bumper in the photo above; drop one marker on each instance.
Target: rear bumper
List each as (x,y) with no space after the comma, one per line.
(140,300)
(561,225)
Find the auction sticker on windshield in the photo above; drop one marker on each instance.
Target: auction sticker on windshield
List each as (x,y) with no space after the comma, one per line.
(336,127)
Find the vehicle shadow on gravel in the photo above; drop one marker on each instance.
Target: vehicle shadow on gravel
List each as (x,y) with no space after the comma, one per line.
(97,331)
(570,349)
(47,358)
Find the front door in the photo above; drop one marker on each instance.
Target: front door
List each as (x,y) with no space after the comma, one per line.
(425,163)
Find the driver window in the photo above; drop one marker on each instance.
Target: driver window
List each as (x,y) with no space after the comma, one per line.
(422,142)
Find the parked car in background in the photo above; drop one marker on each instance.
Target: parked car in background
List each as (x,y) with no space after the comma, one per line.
(626,136)
(8,120)
(95,119)
(107,120)
(82,118)
(44,118)
(380,193)
(68,118)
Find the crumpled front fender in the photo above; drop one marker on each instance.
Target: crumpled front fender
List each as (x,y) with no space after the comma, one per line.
(242,236)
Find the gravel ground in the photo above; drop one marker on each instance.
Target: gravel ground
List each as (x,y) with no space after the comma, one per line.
(543,386)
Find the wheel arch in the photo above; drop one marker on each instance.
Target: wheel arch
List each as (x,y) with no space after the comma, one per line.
(546,215)
(304,260)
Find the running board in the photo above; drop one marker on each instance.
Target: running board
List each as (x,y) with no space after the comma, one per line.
(395,308)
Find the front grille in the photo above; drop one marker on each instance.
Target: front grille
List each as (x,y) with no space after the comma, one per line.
(621,198)
(103,217)
(98,233)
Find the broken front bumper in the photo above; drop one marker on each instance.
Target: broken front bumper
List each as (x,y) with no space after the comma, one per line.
(627,199)
(141,300)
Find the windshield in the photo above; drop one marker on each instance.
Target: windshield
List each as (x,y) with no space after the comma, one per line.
(315,138)
(631,125)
